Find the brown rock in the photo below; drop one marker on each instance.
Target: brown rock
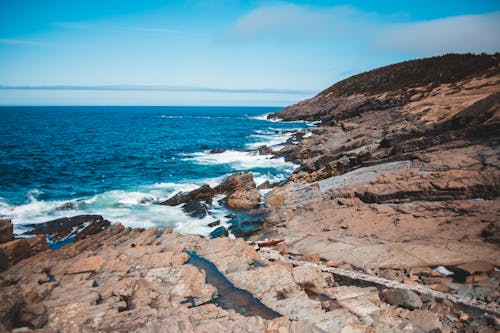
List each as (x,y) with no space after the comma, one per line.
(313,257)
(89,264)
(38,243)
(238,181)
(32,316)
(6,231)
(244,199)
(402,297)
(425,321)
(477,266)
(16,250)
(334,262)
(203,193)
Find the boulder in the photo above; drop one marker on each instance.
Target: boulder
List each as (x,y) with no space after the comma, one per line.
(70,227)
(244,199)
(265,150)
(203,193)
(238,181)
(402,297)
(196,209)
(6,231)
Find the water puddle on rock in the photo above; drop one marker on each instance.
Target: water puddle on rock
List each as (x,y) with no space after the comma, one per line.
(229,297)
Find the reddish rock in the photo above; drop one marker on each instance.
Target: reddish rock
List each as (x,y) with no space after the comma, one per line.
(90,264)
(6,231)
(244,199)
(15,251)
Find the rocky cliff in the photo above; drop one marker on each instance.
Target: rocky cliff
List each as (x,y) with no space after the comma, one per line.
(391,224)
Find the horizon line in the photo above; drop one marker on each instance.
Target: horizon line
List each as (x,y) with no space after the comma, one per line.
(160,88)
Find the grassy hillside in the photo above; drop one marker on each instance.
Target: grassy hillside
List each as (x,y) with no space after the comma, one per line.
(436,70)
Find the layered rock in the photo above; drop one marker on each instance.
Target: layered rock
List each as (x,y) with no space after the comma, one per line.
(134,280)
(402,174)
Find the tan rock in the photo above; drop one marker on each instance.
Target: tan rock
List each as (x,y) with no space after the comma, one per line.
(477,266)
(313,257)
(89,264)
(334,262)
(38,243)
(244,199)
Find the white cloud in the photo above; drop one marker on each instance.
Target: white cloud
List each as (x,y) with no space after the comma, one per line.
(468,33)
(295,20)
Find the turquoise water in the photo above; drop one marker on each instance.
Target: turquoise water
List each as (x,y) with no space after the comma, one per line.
(120,161)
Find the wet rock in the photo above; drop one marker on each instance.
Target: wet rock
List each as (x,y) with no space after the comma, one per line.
(32,315)
(245,229)
(69,227)
(214,223)
(196,209)
(203,193)
(219,232)
(265,150)
(402,297)
(68,206)
(217,151)
(6,231)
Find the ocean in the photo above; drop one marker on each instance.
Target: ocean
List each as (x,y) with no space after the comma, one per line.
(119,162)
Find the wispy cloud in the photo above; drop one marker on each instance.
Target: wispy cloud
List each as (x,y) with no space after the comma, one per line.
(22,42)
(295,20)
(99,26)
(467,33)
(160,88)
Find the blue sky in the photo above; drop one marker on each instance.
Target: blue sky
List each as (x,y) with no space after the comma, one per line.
(132,52)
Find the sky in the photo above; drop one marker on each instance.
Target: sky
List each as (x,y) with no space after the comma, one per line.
(251,53)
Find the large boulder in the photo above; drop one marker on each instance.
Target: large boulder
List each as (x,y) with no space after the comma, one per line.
(244,199)
(238,181)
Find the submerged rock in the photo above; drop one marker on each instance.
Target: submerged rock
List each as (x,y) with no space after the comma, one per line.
(219,232)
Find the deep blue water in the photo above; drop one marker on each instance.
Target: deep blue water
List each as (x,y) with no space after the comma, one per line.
(116,161)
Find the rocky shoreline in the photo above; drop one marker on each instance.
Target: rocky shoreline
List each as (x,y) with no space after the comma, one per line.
(391,224)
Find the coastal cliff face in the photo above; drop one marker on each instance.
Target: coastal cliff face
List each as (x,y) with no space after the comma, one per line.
(391,224)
